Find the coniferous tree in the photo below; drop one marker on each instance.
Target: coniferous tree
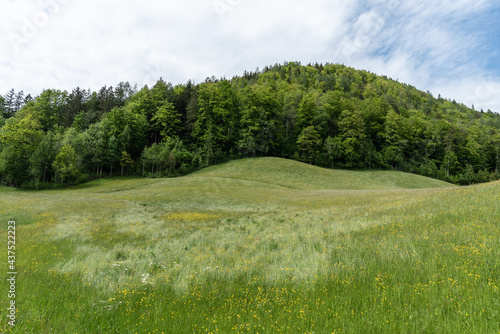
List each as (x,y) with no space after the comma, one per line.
(75,105)
(9,104)
(3,109)
(19,101)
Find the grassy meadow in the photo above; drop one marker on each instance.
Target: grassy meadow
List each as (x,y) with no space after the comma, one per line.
(256,246)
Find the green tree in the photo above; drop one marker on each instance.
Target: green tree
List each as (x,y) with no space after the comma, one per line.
(113,153)
(51,105)
(393,150)
(123,91)
(19,136)
(429,169)
(66,164)
(126,160)
(75,106)
(308,143)
(216,126)
(333,148)
(8,101)
(94,141)
(469,176)
(151,159)
(42,159)
(116,122)
(307,111)
(352,134)
(292,95)
(258,120)
(474,148)
(3,109)
(23,132)
(167,158)
(450,162)
(13,166)
(167,120)
(494,151)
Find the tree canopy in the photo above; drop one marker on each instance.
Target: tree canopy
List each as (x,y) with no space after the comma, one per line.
(325,114)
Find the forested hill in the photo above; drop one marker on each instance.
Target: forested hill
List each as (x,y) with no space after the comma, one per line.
(326,115)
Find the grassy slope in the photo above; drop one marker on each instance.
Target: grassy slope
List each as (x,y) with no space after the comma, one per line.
(296,175)
(257,245)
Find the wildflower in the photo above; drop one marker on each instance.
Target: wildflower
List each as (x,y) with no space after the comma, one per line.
(145,278)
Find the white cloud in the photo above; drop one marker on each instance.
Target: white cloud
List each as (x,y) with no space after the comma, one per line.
(422,43)
(482,92)
(67,43)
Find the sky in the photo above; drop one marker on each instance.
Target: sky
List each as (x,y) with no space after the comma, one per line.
(450,48)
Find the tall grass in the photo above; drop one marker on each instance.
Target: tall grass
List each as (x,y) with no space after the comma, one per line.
(219,251)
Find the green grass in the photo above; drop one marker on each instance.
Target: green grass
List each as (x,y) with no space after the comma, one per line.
(257,246)
(295,175)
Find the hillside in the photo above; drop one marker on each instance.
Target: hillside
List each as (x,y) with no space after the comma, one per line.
(325,115)
(233,246)
(296,175)
(237,186)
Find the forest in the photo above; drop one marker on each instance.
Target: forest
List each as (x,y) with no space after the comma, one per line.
(329,115)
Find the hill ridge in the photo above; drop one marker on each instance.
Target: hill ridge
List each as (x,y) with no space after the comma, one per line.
(327,115)
(262,168)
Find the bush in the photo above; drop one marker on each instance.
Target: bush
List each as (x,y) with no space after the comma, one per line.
(82,178)
(33,185)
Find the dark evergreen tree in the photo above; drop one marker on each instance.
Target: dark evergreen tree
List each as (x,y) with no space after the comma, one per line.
(9,104)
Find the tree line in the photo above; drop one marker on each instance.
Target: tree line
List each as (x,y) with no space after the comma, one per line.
(328,115)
